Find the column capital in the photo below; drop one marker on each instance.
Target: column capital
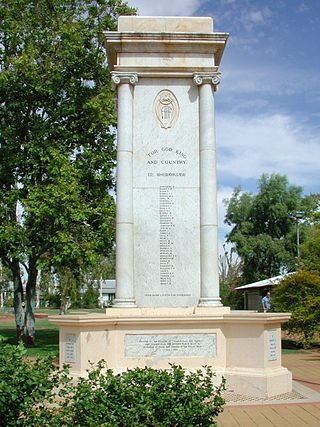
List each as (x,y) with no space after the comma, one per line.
(207,78)
(118,78)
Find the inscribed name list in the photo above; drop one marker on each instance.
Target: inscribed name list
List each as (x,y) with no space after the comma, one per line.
(166,194)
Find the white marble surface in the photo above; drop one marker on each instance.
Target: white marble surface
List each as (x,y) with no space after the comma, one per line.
(168,345)
(208,195)
(273,344)
(174,59)
(70,349)
(166,202)
(124,219)
(165,24)
(166,70)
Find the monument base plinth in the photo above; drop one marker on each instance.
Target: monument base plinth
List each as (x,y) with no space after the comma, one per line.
(244,347)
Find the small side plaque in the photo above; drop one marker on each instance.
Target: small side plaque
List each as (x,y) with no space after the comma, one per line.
(272,344)
(201,345)
(70,348)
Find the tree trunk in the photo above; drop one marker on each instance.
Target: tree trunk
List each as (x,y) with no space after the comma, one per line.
(30,305)
(19,310)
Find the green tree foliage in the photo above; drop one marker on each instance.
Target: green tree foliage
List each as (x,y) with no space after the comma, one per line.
(57,139)
(310,250)
(262,231)
(90,298)
(299,294)
(69,287)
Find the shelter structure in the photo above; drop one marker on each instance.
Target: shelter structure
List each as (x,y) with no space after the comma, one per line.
(254,292)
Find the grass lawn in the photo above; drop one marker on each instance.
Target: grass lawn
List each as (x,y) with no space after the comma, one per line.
(47,337)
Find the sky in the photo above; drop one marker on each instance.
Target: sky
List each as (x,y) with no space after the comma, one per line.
(268,103)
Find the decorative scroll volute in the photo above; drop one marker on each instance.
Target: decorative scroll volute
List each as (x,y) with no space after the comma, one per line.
(120,78)
(211,78)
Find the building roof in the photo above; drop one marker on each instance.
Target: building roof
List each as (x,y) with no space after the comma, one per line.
(264,283)
(107,286)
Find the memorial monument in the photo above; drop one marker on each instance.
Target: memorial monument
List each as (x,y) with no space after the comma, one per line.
(167,307)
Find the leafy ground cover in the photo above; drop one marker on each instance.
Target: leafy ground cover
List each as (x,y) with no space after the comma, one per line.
(37,394)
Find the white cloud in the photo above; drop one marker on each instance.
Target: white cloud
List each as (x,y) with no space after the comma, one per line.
(250,146)
(255,17)
(268,79)
(166,7)
(303,7)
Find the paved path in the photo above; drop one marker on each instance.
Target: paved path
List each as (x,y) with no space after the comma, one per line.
(305,367)
(289,415)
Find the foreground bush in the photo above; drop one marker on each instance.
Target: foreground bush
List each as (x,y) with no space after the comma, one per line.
(37,394)
(143,397)
(23,384)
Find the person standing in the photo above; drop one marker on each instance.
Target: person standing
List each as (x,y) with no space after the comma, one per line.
(266,302)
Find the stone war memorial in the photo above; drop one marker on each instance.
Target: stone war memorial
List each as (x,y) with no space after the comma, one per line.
(167,307)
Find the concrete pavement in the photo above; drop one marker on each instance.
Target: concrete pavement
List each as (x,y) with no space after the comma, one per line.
(297,409)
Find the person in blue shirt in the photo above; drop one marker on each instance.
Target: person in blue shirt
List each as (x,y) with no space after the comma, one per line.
(266,302)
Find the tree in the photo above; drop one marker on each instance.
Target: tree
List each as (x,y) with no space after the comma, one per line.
(230,269)
(299,294)
(57,149)
(310,250)
(5,286)
(262,231)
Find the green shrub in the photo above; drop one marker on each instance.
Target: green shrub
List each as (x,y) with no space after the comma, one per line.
(37,394)
(23,384)
(138,398)
(299,294)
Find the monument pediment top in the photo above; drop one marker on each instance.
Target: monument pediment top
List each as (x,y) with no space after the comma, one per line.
(165,24)
(165,38)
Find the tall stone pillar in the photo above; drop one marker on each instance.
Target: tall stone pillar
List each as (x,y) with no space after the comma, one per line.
(209,273)
(124,224)
(167,237)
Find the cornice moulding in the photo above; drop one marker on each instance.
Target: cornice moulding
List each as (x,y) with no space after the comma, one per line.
(165,72)
(129,41)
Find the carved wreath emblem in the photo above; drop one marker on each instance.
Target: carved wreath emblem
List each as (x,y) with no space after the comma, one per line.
(166,108)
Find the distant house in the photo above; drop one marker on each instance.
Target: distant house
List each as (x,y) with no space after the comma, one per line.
(107,291)
(254,292)
(6,293)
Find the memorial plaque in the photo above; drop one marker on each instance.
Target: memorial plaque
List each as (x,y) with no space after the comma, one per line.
(70,348)
(166,203)
(272,345)
(201,345)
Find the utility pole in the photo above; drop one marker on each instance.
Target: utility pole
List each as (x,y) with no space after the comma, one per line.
(297,216)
